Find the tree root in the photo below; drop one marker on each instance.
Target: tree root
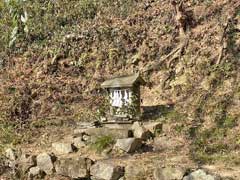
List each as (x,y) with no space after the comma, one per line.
(181,20)
(224,38)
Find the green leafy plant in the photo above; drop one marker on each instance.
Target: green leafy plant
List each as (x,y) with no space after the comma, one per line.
(207,144)
(8,136)
(229,121)
(102,143)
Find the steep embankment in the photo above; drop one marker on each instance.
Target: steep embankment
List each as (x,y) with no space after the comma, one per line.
(61,51)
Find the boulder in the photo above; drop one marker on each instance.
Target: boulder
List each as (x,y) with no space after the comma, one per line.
(114,133)
(26,161)
(139,131)
(35,173)
(106,153)
(63,148)
(128,145)
(135,171)
(154,127)
(74,167)
(78,142)
(136,125)
(200,175)
(79,131)
(106,171)
(45,162)
(168,173)
(11,158)
(11,154)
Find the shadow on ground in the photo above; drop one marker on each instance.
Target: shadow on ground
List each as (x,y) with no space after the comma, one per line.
(155,112)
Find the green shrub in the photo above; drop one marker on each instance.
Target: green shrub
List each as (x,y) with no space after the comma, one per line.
(102,143)
(209,143)
(8,136)
(229,122)
(174,116)
(179,128)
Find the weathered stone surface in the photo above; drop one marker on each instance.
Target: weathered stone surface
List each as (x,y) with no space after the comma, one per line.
(118,126)
(11,158)
(3,165)
(114,133)
(106,153)
(74,168)
(200,175)
(78,142)
(106,171)
(136,125)
(26,162)
(86,125)
(128,144)
(134,171)
(11,154)
(87,138)
(153,127)
(35,173)
(79,131)
(140,132)
(168,173)
(63,148)
(45,162)
(166,143)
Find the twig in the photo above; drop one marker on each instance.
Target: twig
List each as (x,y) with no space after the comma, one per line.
(223,41)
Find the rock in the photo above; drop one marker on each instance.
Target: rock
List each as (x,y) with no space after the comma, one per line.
(168,173)
(128,145)
(78,142)
(118,126)
(136,125)
(200,175)
(3,166)
(86,125)
(11,158)
(114,133)
(63,148)
(45,162)
(11,154)
(166,143)
(154,127)
(106,171)
(26,162)
(87,138)
(106,152)
(135,171)
(74,168)
(140,132)
(79,131)
(35,172)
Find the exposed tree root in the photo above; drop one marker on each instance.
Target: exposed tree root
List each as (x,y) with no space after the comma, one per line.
(224,38)
(181,20)
(223,41)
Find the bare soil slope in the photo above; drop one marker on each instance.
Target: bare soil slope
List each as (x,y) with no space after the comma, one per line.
(188,52)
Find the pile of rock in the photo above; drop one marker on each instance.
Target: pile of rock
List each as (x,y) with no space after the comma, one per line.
(127,141)
(76,168)
(176,173)
(59,162)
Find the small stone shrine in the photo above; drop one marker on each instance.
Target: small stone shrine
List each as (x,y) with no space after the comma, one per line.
(124,97)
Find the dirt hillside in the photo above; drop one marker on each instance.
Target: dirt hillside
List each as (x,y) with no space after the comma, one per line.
(55,54)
